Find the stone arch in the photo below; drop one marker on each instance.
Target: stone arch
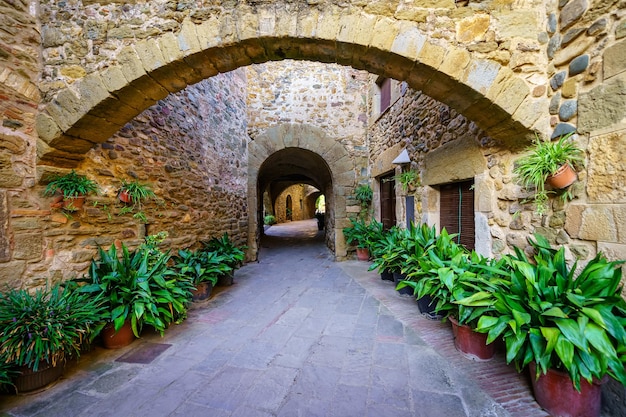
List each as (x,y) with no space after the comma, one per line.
(94,107)
(335,176)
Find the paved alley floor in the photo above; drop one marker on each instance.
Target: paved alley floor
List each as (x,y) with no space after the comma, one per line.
(296,335)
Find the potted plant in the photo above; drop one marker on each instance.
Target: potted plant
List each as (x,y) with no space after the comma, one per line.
(548,161)
(362,235)
(426,249)
(41,330)
(138,288)
(387,253)
(70,190)
(232,256)
(408,180)
(202,268)
(363,194)
(563,325)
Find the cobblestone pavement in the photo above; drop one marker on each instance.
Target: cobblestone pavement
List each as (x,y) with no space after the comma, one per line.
(296,335)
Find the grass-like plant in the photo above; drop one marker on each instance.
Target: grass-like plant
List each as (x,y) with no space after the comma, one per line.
(47,326)
(544,159)
(70,185)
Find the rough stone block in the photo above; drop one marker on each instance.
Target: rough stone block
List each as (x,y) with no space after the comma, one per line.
(11,274)
(606,180)
(92,91)
(327,25)
(602,106)
(131,65)
(307,23)
(188,38)
(65,109)
(286,24)
(455,63)
(513,95)
(385,32)
(113,78)
(592,222)
(150,54)
(572,12)
(409,42)
(168,45)
(28,247)
(482,74)
(458,160)
(247,23)
(432,55)
(614,59)
(516,23)
(47,129)
(473,28)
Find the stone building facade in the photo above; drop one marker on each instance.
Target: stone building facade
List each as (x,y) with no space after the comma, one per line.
(157,91)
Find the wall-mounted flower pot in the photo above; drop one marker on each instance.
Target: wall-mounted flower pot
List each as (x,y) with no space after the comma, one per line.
(471,344)
(363,254)
(115,340)
(556,394)
(124,197)
(73,203)
(202,291)
(563,177)
(30,380)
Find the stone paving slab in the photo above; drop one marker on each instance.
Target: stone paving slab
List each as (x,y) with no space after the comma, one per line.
(297,335)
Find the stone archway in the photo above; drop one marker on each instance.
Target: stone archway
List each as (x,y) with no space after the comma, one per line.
(314,158)
(95,105)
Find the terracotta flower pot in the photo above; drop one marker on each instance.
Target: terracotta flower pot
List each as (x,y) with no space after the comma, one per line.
(471,344)
(115,340)
(556,394)
(202,291)
(124,197)
(363,254)
(563,177)
(30,380)
(73,203)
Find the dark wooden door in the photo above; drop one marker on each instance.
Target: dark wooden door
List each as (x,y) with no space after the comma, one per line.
(387,201)
(457,211)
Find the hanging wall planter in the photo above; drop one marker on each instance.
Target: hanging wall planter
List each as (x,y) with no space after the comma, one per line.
(563,177)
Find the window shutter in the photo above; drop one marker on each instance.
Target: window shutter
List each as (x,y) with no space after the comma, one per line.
(457,211)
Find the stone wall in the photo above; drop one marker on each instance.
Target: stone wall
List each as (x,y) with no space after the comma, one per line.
(327,96)
(190,148)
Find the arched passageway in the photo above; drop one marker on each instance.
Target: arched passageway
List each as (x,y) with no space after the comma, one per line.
(284,168)
(90,109)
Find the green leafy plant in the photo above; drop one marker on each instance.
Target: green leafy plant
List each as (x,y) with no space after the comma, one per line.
(140,287)
(363,234)
(136,191)
(544,159)
(387,251)
(407,179)
(231,255)
(559,320)
(363,194)
(201,266)
(71,185)
(269,219)
(47,325)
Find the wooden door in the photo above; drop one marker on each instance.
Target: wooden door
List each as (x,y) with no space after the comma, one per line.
(387,201)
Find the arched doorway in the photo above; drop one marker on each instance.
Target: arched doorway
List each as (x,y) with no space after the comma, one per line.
(283,169)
